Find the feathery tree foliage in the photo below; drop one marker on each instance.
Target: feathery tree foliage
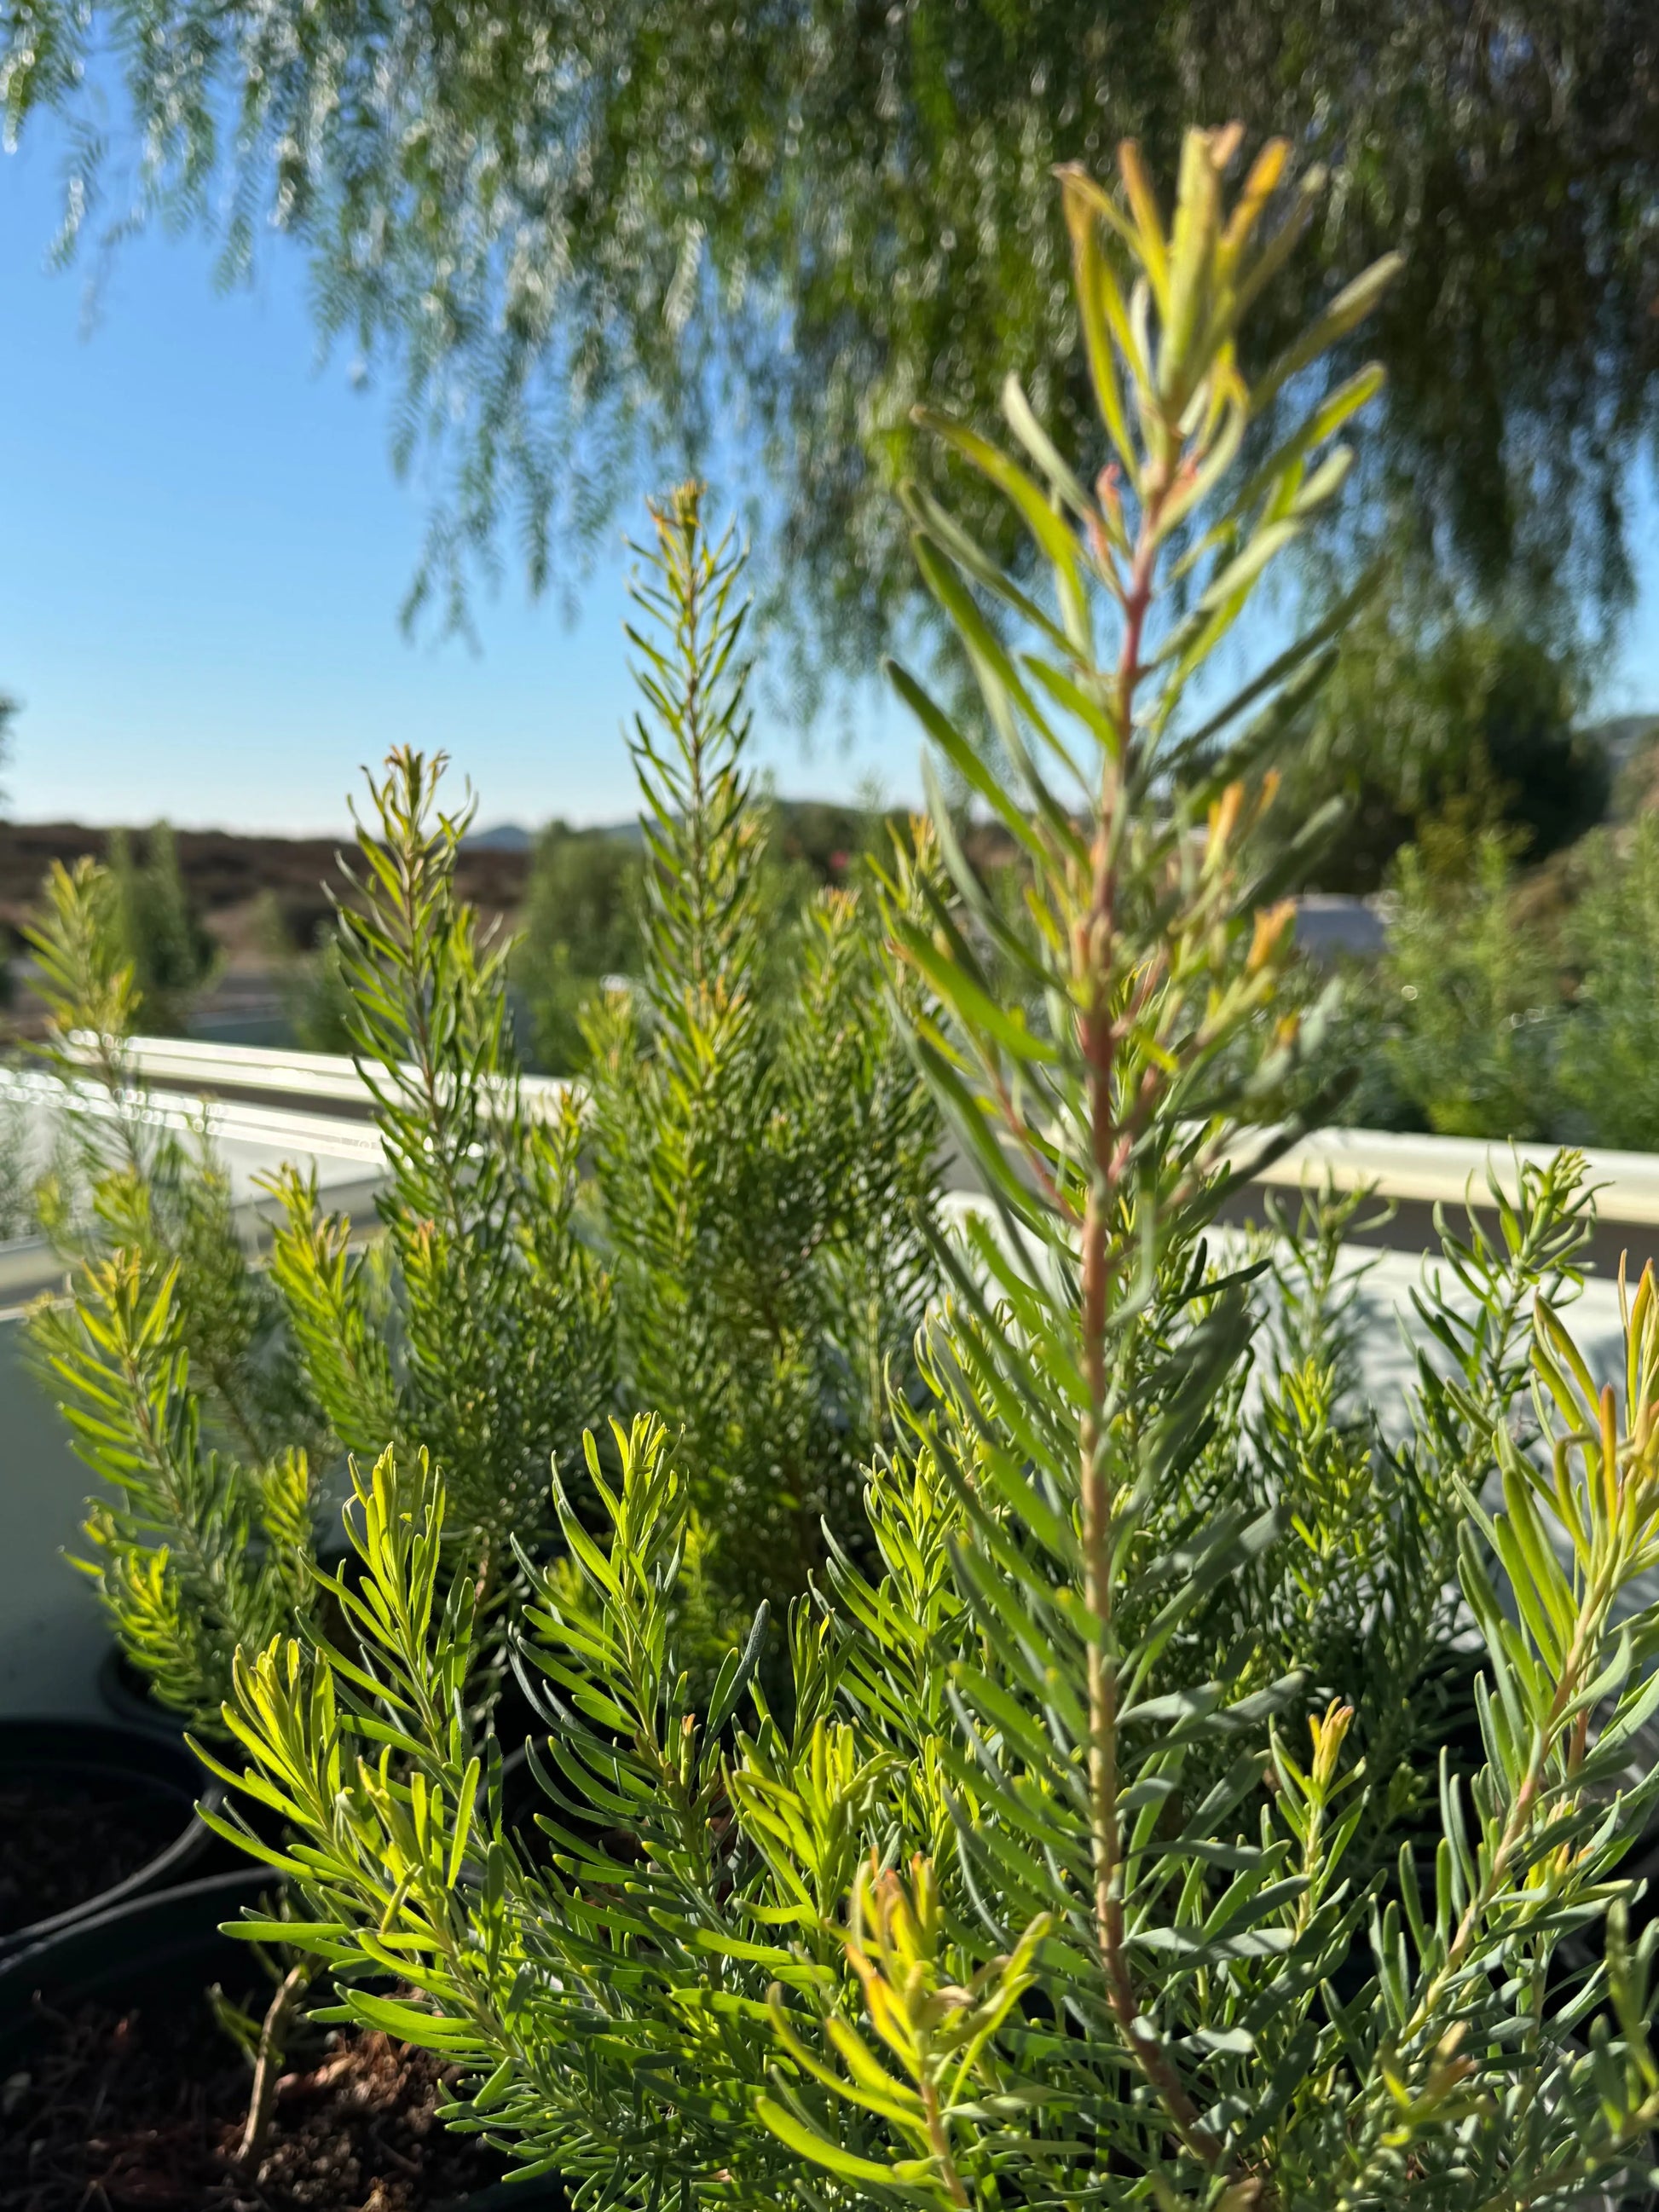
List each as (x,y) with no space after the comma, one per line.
(765,1158)
(564,232)
(479,1327)
(1045,1882)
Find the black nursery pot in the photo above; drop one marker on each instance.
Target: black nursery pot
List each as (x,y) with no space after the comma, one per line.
(125,1697)
(91,1816)
(161,1950)
(159,1953)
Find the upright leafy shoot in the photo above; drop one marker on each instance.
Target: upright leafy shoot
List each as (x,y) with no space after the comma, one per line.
(765,1162)
(177,1372)
(479,1329)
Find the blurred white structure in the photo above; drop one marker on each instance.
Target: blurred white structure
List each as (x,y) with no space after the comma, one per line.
(262,1108)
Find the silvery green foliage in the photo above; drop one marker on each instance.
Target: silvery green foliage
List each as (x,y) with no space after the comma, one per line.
(1010,1900)
(560,231)
(765,1158)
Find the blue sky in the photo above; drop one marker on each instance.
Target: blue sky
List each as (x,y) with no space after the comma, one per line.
(202,551)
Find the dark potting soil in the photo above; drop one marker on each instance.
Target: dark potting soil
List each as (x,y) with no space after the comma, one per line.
(135,2112)
(64,1839)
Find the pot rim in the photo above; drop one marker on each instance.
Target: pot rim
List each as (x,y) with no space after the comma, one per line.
(151,1876)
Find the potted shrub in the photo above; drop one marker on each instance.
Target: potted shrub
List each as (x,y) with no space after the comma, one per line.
(480,1326)
(1043,1877)
(1073,1841)
(194,1376)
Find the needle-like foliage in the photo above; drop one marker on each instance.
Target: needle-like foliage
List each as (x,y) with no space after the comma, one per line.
(176,1370)
(479,1327)
(765,1156)
(205,1380)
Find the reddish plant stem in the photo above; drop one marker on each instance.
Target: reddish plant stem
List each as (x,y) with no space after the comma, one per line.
(1099,1036)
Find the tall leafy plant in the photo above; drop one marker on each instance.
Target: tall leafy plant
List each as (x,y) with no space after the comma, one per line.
(765,1162)
(479,1327)
(206,1382)
(201,1385)
(1032,1888)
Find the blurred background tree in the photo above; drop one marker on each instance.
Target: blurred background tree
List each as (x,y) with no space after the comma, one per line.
(581,926)
(160,929)
(566,234)
(316,997)
(1427,713)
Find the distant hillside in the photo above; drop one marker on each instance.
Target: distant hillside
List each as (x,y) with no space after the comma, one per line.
(224,872)
(502,837)
(1622,736)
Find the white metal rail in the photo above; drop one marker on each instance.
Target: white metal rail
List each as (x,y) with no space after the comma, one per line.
(263,1106)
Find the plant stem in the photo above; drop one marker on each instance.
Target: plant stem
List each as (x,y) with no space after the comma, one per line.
(941,2144)
(268,2061)
(1092,954)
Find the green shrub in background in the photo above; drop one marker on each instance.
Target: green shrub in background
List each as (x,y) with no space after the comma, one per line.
(770,1294)
(1472,991)
(316,997)
(319,1003)
(581,926)
(765,1158)
(1428,713)
(581,923)
(1509,1006)
(1609,1072)
(1045,1882)
(173,954)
